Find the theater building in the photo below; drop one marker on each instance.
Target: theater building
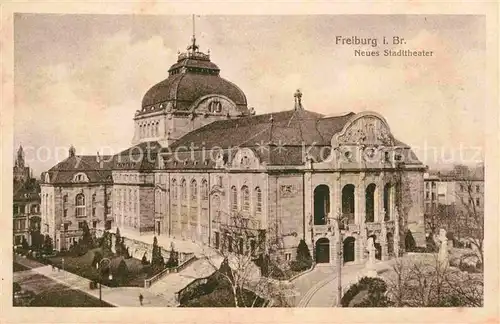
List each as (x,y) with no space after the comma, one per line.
(200,157)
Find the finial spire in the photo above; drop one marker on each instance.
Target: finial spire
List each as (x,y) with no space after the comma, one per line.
(193,47)
(298,99)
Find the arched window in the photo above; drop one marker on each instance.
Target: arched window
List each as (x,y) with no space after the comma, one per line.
(183,190)
(80,205)
(234,199)
(194,190)
(204,189)
(157,128)
(258,199)
(174,190)
(245,198)
(65,199)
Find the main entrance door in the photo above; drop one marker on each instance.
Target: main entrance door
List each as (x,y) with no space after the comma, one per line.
(323,250)
(348,250)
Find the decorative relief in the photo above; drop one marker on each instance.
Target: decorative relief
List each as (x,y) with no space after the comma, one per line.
(367,130)
(287,191)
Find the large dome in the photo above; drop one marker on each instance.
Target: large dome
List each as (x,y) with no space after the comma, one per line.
(192,77)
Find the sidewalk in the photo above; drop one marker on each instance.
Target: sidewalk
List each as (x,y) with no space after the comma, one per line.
(119,296)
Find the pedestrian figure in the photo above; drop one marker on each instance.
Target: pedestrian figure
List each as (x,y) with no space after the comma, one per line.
(141,297)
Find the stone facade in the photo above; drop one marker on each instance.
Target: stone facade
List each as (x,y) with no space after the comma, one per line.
(254,193)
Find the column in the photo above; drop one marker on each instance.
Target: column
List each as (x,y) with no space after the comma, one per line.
(379,199)
(360,193)
(392,200)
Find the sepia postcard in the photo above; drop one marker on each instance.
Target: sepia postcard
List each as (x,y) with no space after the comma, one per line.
(233,162)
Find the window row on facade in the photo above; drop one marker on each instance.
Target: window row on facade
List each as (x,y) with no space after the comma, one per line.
(149,129)
(348,203)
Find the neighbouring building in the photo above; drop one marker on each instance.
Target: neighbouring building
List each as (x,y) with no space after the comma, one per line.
(453,195)
(201,157)
(26,202)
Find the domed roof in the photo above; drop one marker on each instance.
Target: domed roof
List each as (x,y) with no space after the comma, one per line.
(192,77)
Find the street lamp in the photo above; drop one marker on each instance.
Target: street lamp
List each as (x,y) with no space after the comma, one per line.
(100,268)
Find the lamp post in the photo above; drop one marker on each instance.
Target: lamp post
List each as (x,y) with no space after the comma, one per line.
(100,268)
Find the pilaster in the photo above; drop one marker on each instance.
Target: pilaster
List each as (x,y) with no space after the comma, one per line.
(308,213)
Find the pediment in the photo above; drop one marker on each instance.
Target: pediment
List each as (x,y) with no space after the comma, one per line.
(367,129)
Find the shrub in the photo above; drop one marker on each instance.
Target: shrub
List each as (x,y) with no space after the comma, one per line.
(372,291)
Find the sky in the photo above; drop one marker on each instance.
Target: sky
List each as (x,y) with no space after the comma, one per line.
(78,79)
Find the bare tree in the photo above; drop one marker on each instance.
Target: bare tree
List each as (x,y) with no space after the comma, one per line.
(244,245)
(469,222)
(427,283)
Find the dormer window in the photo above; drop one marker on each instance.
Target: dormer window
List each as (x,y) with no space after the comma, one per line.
(80,177)
(215,106)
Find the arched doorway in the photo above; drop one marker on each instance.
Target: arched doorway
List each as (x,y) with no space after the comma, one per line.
(378,247)
(348,249)
(370,203)
(387,201)
(348,203)
(321,204)
(323,250)
(390,244)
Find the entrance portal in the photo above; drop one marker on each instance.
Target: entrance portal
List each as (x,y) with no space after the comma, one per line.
(348,250)
(323,250)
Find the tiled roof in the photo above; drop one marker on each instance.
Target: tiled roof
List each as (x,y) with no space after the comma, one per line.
(286,128)
(64,171)
(138,157)
(277,138)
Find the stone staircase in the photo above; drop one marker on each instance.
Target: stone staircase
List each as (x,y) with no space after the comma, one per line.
(168,286)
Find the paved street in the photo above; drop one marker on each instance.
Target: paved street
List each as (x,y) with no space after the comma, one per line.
(318,288)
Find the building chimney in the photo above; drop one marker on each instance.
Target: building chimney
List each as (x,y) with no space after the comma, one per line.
(72,151)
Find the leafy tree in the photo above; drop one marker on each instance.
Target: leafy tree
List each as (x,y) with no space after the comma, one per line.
(409,241)
(118,242)
(157,261)
(36,240)
(122,272)
(144,260)
(16,287)
(303,260)
(25,244)
(86,242)
(173,259)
